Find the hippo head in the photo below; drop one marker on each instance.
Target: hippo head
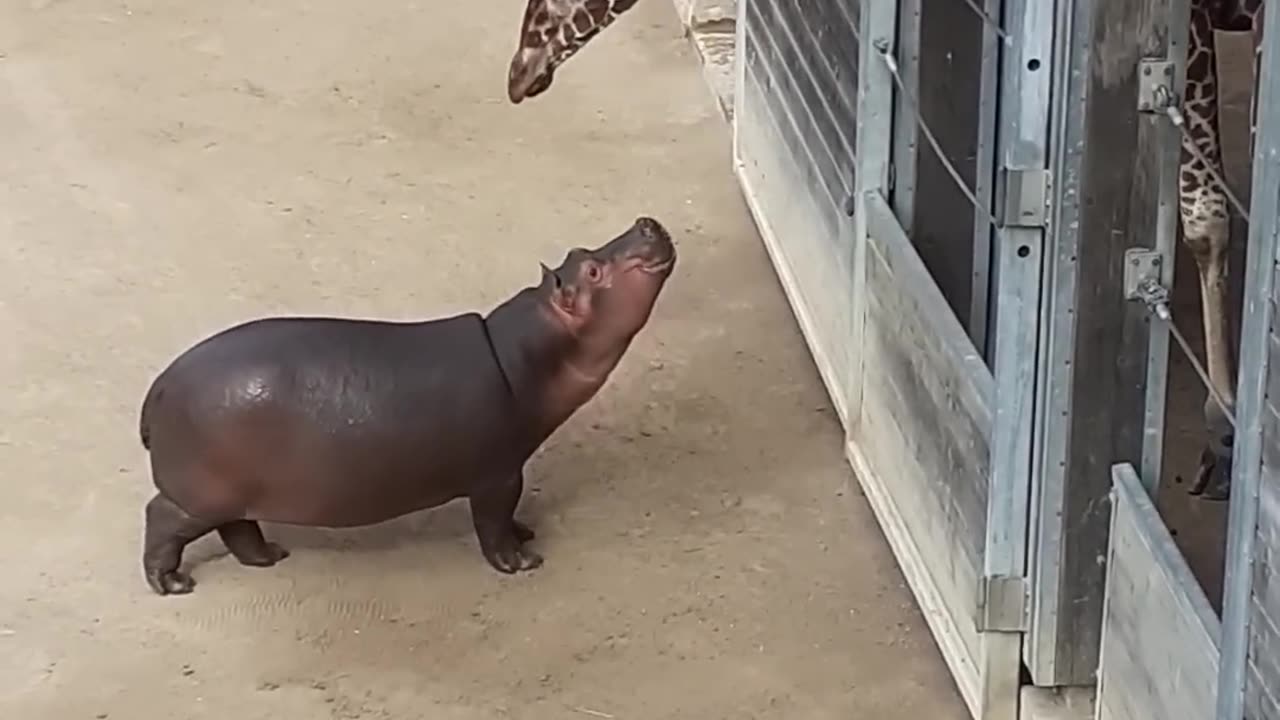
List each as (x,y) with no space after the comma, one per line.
(603,297)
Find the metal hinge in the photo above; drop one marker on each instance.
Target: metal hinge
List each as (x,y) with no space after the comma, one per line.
(1004,604)
(1155,85)
(1025,201)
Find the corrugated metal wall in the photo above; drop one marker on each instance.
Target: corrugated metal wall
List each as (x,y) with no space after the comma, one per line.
(795,134)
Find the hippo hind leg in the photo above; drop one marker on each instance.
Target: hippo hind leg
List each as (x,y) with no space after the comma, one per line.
(169,529)
(501,536)
(245,541)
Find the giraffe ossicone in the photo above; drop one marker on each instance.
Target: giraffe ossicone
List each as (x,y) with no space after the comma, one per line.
(552,31)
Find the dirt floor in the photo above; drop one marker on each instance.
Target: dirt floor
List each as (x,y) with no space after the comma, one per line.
(168,169)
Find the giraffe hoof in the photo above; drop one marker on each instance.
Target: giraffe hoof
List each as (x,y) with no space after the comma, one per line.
(1213,477)
(1203,473)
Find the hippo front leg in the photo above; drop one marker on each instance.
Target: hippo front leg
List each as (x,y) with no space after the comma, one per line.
(501,536)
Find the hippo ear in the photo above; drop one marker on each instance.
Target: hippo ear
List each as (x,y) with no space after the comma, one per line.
(556,291)
(551,281)
(549,274)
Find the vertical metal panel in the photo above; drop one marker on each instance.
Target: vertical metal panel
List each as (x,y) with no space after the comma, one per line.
(739,75)
(877,22)
(922,446)
(1057,339)
(1262,668)
(1110,166)
(1177,14)
(1252,410)
(1023,141)
(984,182)
(905,134)
(1160,637)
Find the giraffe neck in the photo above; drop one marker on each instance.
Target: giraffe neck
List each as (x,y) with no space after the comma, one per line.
(1201,95)
(1200,108)
(577,23)
(1239,14)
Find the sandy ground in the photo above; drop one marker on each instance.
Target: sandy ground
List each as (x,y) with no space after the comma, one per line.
(168,169)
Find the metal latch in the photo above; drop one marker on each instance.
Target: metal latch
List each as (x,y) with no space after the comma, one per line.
(1155,85)
(1142,280)
(1003,604)
(1026,198)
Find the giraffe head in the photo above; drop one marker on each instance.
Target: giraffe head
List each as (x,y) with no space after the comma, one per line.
(552,31)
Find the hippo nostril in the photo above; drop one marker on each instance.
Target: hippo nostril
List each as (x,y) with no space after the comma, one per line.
(652,229)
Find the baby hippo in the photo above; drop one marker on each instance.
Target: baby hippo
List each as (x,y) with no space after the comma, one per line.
(336,422)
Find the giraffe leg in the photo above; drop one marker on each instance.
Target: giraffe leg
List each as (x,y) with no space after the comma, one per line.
(1207,236)
(1206,233)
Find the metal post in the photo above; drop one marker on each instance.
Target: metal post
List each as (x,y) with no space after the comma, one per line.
(739,75)
(1023,128)
(1242,518)
(905,133)
(872,156)
(984,181)
(1178,13)
(1055,373)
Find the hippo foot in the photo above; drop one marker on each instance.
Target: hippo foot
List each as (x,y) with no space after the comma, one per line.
(271,554)
(170,583)
(169,529)
(244,539)
(514,559)
(522,532)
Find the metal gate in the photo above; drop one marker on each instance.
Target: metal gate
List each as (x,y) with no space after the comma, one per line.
(1165,653)
(939,413)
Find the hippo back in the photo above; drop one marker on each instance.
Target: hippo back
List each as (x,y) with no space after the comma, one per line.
(331,421)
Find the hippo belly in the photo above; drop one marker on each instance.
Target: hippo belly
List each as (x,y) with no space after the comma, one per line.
(327,422)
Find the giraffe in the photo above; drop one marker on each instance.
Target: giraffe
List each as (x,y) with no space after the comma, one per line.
(1206,220)
(552,31)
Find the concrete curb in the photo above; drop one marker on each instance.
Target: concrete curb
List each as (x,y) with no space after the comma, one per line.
(710,26)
